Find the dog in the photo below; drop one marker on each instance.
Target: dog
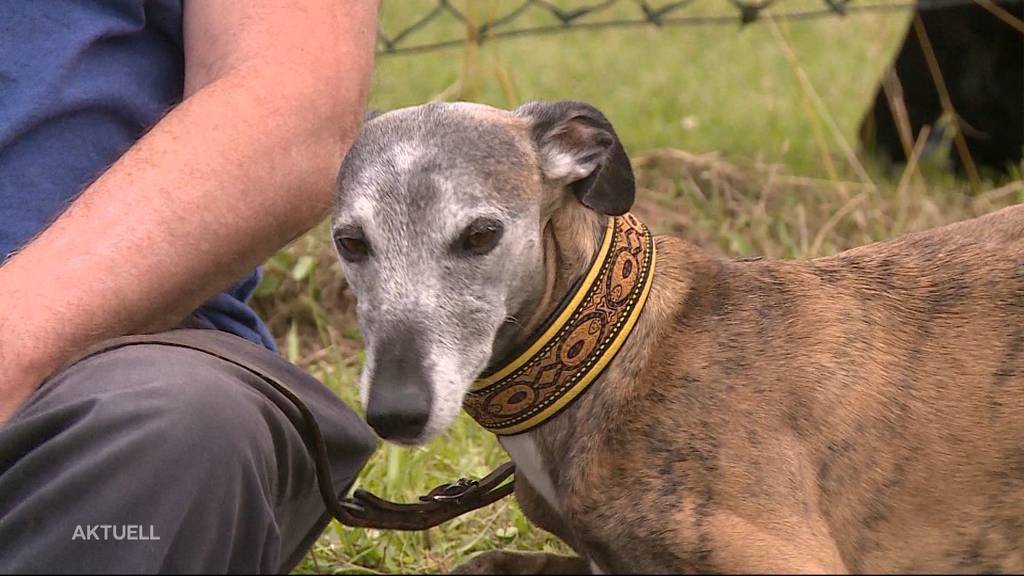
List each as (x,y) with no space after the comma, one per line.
(862,412)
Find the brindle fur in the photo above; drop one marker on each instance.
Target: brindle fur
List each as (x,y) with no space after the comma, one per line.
(862,412)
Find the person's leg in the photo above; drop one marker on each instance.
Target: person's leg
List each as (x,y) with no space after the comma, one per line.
(194,462)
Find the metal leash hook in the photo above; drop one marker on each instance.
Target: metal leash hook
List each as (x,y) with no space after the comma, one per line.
(451,491)
(366,510)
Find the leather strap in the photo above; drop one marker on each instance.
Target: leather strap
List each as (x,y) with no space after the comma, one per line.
(363,509)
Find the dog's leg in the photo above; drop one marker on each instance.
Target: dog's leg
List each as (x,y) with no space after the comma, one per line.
(745,547)
(510,562)
(540,513)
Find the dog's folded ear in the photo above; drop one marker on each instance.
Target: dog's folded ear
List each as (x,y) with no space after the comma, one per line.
(578,148)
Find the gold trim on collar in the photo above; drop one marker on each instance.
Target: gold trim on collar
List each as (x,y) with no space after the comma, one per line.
(580,342)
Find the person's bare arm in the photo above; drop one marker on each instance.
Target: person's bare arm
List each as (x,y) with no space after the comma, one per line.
(274,94)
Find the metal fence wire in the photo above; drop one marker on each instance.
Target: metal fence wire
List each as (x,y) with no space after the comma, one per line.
(535,17)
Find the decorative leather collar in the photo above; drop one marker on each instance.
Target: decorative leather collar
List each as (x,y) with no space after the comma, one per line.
(579,340)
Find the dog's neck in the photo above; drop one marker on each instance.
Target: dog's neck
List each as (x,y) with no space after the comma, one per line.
(545,453)
(571,238)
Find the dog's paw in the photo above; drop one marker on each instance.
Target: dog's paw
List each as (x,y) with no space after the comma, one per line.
(508,562)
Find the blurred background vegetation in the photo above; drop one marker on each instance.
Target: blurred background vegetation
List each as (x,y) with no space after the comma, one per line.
(744,142)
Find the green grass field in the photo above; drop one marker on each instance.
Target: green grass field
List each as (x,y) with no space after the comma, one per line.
(732,151)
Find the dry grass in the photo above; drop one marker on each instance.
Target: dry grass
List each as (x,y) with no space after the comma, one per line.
(743,209)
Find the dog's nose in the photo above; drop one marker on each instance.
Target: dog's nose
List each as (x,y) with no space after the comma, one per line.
(397,411)
(400,390)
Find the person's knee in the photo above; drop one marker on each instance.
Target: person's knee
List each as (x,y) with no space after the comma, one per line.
(166,438)
(185,403)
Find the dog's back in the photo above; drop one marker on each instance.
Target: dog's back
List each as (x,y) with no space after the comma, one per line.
(868,406)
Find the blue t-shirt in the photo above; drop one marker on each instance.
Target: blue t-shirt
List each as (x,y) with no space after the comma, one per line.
(80,82)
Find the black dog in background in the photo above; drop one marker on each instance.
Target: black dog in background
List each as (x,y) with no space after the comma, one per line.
(982,63)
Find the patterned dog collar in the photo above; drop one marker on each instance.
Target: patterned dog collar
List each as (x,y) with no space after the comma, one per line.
(580,341)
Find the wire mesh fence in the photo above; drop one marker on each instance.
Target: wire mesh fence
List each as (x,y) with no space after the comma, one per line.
(446,23)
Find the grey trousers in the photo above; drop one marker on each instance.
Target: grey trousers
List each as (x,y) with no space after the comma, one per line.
(154,458)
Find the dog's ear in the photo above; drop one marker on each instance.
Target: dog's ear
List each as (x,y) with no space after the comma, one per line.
(578,148)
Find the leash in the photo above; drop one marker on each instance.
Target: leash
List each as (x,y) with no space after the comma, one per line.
(366,510)
(363,509)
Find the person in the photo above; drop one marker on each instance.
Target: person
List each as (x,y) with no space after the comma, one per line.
(152,154)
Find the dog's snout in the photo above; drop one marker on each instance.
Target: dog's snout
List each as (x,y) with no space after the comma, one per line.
(397,411)
(401,396)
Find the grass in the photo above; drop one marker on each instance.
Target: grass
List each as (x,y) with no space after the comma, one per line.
(732,150)
(699,88)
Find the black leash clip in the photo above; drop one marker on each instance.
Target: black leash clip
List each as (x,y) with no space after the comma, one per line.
(451,492)
(447,501)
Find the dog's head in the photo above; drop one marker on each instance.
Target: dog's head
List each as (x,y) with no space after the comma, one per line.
(439,222)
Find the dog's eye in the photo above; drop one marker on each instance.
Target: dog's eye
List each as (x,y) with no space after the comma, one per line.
(481,236)
(351,247)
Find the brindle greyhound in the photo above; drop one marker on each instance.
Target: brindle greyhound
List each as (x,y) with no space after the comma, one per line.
(862,412)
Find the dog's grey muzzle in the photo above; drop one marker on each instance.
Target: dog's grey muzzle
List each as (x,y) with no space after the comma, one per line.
(400,395)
